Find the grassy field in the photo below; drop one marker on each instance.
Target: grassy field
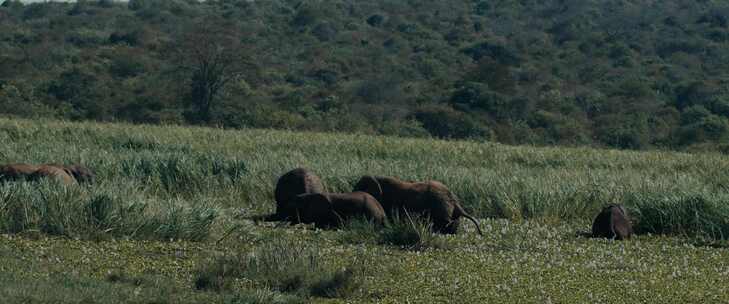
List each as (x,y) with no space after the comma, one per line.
(146,231)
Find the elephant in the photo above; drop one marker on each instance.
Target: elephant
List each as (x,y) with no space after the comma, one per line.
(13,172)
(292,183)
(31,172)
(326,210)
(612,222)
(56,173)
(430,198)
(80,173)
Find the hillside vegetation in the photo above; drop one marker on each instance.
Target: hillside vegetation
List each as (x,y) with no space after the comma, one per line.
(623,74)
(153,228)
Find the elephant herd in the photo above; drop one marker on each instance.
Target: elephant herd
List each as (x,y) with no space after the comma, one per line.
(66,174)
(301,198)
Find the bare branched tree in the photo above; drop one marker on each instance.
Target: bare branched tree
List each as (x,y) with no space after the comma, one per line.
(212,56)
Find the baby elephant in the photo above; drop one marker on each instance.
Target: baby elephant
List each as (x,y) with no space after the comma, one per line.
(333,209)
(613,222)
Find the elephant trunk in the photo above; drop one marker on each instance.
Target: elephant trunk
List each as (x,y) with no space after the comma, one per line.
(463,213)
(478,229)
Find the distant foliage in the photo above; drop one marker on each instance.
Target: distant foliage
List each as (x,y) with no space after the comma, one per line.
(622,74)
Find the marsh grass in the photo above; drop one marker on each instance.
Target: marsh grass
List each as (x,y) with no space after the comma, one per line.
(167,170)
(88,213)
(411,232)
(284,266)
(359,231)
(184,174)
(698,215)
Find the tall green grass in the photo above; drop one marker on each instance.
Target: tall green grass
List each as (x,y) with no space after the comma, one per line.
(668,192)
(79,212)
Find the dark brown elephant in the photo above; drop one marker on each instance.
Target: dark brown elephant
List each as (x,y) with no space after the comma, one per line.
(80,173)
(334,209)
(11,172)
(612,222)
(430,198)
(53,172)
(295,182)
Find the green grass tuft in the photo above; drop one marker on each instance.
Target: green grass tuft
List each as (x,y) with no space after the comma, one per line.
(289,267)
(411,233)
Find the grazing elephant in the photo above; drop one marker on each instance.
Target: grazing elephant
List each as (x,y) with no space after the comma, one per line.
(13,172)
(295,182)
(27,171)
(613,222)
(333,209)
(61,175)
(429,198)
(80,173)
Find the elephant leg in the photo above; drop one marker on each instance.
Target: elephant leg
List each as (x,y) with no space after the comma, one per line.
(441,225)
(451,227)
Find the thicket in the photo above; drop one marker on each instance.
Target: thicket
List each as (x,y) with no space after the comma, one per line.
(621,73)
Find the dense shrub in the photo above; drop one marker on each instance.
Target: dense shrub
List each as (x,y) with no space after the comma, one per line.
(445,122)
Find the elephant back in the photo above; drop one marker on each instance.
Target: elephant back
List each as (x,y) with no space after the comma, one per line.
(358,203)
(54,173)
(16,171)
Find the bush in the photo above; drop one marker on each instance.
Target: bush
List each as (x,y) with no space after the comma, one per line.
(444,122)
(324,31)
(375,20)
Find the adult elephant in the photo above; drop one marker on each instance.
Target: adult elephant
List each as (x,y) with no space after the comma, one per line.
(612,222)
(295,182)
(54,173)
(326,210)
(430,198)
(81,173)
(11,172)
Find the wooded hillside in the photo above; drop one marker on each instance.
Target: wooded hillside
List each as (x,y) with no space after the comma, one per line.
(626,74)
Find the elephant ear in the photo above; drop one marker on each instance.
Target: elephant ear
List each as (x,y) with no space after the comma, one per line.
(370,185)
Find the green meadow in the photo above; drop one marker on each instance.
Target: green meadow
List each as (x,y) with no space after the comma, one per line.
(171,219)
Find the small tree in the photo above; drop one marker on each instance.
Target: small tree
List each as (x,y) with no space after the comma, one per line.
(212,56)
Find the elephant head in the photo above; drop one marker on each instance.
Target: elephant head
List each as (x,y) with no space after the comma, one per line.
(612,222)
(82,174)
(429,198)
(292,183)
(371,185)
